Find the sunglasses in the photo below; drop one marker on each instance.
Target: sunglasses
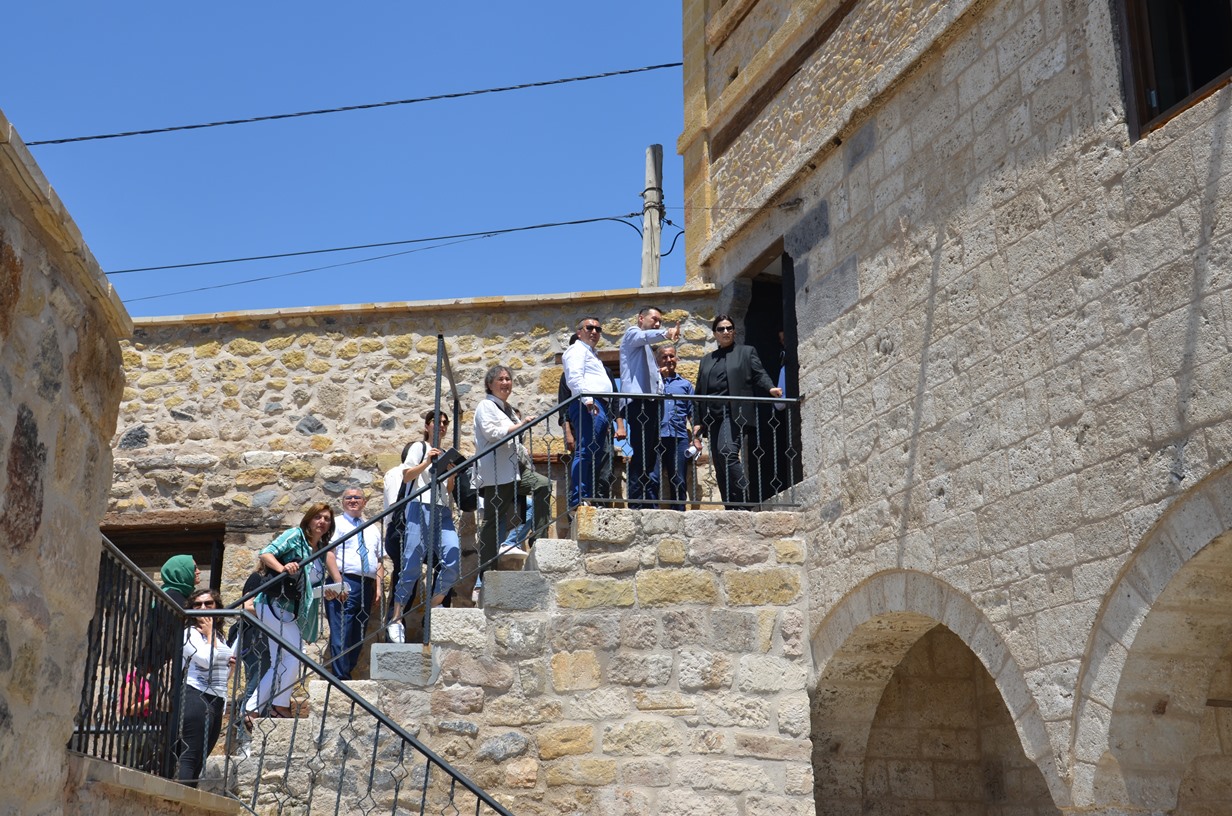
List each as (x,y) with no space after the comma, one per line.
(592,328)
(725,329)
(352,498)
(201,605)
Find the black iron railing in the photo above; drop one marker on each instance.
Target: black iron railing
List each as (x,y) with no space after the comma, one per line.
(147,704)
(129,702)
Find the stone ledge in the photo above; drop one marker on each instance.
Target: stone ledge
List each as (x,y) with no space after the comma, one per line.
(84,770)
(418,306)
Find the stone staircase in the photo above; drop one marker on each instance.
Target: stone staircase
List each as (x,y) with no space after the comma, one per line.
(655,663)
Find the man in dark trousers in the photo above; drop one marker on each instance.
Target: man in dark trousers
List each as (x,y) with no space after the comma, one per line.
(730,370)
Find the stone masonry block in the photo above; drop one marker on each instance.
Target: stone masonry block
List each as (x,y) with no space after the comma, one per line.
(768,673)
(556,741)
(649,773)
(606,527)
(689,803)
(586,772)
(642,738)
(779,806)
(632,669)
(584,593)
(676,586)
(712,773)
(403,662)
(476,670)
(612,563)
(575,671)
(514,591)
(703,669)
(464,628)
(514,711)
(789,551)
(766,747)
(554,555)
(762,587)
(671,551)
(739,551)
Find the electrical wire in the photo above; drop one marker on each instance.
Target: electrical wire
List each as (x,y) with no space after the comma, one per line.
(348,108)
(302,271)
(478,234)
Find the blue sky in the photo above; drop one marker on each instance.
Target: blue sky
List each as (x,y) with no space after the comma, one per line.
(455,166)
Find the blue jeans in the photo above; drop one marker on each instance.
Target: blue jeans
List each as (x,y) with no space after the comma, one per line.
(671,462)
(447,555)
(590,452)
(348,619)
(642,419)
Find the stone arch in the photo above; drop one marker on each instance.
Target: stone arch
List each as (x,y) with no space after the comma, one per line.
(856,649)
(1165,625)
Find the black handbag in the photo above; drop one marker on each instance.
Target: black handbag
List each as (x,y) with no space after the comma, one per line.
(465,496)
(288,587)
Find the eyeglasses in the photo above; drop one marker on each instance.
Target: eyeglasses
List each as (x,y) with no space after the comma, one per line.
(592,328)
(201,605)
(725,329)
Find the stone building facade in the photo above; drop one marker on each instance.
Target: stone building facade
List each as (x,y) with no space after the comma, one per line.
(1011,294)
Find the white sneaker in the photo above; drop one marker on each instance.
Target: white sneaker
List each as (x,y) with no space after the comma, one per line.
(397,633)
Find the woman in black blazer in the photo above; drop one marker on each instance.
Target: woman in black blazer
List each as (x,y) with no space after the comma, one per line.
(730,370)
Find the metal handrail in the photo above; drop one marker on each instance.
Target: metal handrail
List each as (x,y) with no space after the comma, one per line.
(108,660)
(337,685)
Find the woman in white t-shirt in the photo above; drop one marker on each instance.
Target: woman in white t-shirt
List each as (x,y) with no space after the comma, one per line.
(207,665)
(421,516)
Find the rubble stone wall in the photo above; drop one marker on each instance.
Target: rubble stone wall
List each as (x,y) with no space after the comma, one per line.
(255,415)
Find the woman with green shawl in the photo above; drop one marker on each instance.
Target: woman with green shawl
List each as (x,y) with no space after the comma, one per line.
(180,576)
(296,620)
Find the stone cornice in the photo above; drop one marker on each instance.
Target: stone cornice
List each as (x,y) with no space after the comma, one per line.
(477,304)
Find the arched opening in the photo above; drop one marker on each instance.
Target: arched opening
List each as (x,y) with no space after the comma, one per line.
(1153,727)
(908,718)
(1170,728)
(943,741)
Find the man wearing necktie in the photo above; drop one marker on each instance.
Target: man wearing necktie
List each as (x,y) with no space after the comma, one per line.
(639,374)
(358,559)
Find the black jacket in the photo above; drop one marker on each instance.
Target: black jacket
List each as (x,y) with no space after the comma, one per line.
(746,377)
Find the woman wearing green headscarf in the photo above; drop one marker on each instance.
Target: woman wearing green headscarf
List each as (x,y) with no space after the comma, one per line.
(180,575)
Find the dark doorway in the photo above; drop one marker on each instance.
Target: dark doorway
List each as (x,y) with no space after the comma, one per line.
(770,328)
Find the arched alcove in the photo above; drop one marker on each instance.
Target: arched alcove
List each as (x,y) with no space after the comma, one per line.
(898,652)
(1149,706)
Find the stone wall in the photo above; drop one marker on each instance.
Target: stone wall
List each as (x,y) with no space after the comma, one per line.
(655,665)
(252,416)
(60,383)
(1014,341)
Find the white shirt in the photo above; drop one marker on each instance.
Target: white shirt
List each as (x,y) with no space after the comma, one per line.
(347,554)
(492,423)
(639,374)
(584,371)
(415,456)
(206,665)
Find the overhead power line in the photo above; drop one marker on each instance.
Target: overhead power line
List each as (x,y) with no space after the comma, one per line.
(477,234)
(346,108)
(300,271)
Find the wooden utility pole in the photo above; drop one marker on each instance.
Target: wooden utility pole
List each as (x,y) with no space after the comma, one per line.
(652,216)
